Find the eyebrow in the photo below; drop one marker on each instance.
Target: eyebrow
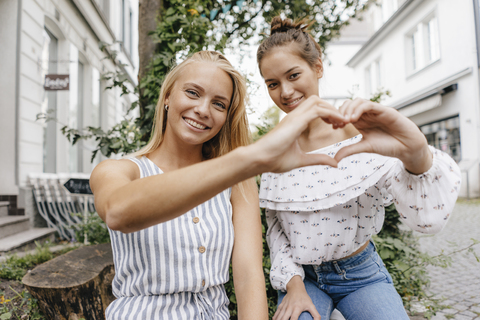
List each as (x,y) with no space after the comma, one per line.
(286,72)
(200,88)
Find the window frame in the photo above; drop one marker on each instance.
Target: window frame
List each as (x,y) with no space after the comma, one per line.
(422,48)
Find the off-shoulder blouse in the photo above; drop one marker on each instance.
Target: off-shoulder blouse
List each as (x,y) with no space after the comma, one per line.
(320,213)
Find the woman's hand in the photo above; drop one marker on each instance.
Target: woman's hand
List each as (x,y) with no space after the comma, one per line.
(295,302)
(279,151)
(387,132)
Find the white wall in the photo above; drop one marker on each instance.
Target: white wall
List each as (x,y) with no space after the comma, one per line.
(78,27)
(8,59)
(456,28)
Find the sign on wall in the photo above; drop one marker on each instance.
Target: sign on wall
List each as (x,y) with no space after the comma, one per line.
(54,82)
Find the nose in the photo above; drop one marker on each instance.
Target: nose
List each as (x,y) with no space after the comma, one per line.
(287,91)
(202,109)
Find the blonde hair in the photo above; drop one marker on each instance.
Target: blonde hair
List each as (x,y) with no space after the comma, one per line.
(234,133)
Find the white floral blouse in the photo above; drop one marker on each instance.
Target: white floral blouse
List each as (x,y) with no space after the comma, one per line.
(321,213)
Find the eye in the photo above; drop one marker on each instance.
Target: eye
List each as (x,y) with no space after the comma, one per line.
(192,93)
(220,105)
(294,75)
(272,85)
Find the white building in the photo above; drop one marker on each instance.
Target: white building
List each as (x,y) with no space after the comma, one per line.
(338,82)
(39,37)
(425,52)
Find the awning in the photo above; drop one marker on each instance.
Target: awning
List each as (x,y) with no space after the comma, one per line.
(422,105)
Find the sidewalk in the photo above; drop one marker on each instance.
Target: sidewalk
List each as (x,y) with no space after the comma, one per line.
(460,283)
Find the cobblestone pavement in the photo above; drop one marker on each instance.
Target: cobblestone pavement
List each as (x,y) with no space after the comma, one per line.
(458,284)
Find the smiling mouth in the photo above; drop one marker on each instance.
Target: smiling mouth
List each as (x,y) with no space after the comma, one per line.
(293,102)
(195,124)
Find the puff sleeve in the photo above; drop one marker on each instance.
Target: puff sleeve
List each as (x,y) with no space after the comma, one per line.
(425,201)
(283,266)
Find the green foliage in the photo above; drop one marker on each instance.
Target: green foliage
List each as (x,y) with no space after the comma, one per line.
(14,267)
(269,120)
(123,138)
(239,25)
(21,306)
(380,95)
(94,227)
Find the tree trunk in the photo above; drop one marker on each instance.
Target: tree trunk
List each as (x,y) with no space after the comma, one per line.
(75,285)
(148,13)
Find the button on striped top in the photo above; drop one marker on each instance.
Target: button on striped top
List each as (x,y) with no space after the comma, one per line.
(161,271)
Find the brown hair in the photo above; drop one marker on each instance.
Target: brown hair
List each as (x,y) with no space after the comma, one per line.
(284,32)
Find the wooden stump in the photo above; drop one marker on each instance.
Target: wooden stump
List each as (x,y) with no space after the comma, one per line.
(75,285)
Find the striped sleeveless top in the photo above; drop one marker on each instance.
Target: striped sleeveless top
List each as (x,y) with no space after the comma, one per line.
(176,269)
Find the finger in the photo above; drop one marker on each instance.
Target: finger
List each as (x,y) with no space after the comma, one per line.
(344,106)
(279,313)
(351,109)
(314,313)
(295,314)
(317,159)
(365,107)
(332,116)
(322,109)
(360,147)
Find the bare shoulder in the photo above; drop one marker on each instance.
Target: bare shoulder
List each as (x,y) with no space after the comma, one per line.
(112,171)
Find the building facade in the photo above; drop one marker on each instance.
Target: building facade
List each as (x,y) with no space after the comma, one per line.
(425,52)
(45,37)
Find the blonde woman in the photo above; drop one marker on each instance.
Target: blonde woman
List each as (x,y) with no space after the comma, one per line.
(174,207)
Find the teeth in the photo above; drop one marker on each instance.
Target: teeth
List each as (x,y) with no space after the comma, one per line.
(195,124)
(294,101)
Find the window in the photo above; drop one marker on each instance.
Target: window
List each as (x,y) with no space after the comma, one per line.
(95,112)
(445,135)
(382,11)
(422,44)
(388,9)
(49,104)
(127,28)
(130,32)
(373,77)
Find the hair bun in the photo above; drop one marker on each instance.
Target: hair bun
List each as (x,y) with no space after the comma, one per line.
(281,25)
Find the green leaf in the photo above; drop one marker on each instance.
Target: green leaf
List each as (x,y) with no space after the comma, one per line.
(116,145)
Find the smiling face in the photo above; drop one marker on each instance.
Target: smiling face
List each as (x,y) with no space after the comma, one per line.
(289,78)
(198,103)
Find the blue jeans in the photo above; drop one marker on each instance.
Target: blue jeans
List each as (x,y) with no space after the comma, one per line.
(360,287)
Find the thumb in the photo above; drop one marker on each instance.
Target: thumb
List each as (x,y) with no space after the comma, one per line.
(360,147)
(317,159)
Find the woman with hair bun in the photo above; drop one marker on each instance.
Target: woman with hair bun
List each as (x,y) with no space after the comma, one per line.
(173,208)
(321,219)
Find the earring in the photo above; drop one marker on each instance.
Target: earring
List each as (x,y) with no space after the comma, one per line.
(166,107)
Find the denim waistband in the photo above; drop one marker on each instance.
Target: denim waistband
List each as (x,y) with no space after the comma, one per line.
(347,263)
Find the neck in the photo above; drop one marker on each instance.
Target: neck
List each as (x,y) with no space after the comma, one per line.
(320,134)
(171,155)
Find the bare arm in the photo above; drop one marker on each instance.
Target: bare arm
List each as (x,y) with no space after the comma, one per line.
(247,257)
(129,204)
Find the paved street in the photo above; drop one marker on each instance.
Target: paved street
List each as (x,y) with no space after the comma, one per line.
(460,283)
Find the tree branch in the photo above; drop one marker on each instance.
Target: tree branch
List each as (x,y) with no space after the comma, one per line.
(475,242)
(229,34)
